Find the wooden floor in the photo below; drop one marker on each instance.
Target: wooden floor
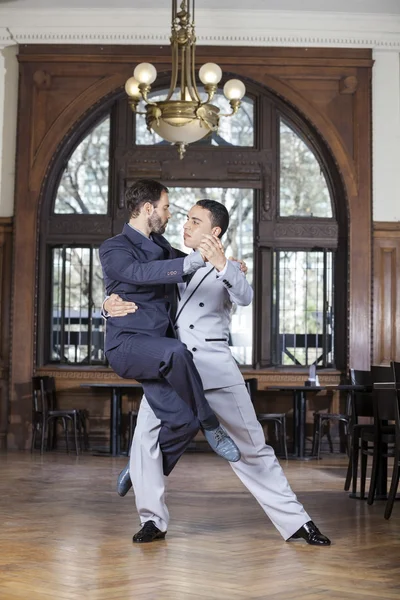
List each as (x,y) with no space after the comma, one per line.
(65,534)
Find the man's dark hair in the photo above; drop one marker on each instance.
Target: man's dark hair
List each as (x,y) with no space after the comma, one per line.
(218,214)
(142,191)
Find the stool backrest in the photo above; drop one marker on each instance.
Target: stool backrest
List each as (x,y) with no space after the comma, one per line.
(396,371)
(382,374)
(386,404)
(385,401)
(362,402)
(43,394)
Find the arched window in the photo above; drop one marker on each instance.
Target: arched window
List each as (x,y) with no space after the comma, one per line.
(283,194)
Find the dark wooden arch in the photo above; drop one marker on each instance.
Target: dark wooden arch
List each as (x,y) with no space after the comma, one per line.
(60,84)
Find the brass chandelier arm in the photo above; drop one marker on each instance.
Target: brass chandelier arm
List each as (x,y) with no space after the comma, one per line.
(194,93)
(175,63)
(184,81)
(235,105)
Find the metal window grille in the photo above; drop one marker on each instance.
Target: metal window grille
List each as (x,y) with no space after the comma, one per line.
(77,328)
(303,312)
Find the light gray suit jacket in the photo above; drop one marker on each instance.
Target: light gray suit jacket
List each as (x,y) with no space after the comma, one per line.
(203,318)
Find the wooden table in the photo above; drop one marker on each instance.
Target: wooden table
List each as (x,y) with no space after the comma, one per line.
(299,416)
(300,410)
(116,391)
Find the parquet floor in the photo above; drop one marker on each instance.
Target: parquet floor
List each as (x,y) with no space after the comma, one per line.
(66,535)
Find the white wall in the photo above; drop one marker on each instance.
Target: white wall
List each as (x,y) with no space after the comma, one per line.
(386,135)
(8,127)
(233,27)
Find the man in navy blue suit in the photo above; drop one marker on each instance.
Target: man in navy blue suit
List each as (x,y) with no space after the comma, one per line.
(140,266)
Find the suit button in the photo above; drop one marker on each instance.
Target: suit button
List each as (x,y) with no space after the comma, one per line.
(191,326)
(194,349)
(201,304)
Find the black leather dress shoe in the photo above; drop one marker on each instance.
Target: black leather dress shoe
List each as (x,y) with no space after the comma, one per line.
(148,533)
(311,534)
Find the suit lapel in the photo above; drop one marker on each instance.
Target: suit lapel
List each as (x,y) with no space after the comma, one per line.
(192,287)
(161,242)
(154,251)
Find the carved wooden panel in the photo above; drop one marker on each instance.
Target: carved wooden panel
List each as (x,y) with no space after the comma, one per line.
(386,345)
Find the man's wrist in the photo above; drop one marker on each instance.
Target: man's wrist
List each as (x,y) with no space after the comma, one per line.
(221,266)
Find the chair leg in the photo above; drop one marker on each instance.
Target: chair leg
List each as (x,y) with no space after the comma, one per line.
(75,426)
(346,438)
(354,468)
(276,434)
(320,436)
(65,425)
(54,435)
(374,474)
(364,459)
(328,435)
(284,437)
(393,486)
(33,441)
(84,429)
(349,472)
(44,427)
(315,435)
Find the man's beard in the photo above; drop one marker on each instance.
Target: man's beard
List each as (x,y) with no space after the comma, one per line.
(156,225)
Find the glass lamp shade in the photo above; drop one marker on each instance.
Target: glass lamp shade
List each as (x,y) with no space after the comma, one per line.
(132,88)
(174,132)
(177,121)
(145,73)
(234,89)
(210,73)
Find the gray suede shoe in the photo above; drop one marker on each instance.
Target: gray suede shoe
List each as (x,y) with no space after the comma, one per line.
(222,444)
(124,482)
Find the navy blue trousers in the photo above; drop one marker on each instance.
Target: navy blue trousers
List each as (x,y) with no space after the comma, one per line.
(172,385)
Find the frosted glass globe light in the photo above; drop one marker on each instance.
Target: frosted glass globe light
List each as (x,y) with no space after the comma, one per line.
(234,89)
(210,73)
(145,73)
(132,88)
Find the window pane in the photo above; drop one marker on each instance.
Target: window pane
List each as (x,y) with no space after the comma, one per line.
(83,187)
(303,301)
(238,242)
(77,329)
(303,188)
(233,131)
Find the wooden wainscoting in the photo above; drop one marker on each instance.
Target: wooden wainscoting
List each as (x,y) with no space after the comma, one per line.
(5,305)
(386,293)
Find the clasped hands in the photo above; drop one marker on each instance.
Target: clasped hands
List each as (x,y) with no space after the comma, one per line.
(212,251)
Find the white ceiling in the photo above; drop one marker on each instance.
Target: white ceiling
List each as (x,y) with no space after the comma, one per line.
(345,6)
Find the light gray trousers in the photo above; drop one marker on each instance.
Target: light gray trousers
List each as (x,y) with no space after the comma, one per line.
(258,468)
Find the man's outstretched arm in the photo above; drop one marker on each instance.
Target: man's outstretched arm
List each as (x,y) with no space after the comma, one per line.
(119,265)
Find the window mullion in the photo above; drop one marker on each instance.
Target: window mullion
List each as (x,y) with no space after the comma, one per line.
(63,284)
(90,304)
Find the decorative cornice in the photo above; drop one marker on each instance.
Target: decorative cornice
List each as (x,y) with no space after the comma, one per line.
(6,38)
(216,27)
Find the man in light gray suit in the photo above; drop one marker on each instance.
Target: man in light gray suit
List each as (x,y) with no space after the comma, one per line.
(202,324)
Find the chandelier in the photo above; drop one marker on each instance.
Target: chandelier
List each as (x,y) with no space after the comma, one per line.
(187,118)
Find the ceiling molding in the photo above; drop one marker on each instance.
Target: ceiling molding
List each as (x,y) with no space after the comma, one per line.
(5,38)
(217,27)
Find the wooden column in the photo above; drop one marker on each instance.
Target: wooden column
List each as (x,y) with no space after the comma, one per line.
(5,319)
(386,339)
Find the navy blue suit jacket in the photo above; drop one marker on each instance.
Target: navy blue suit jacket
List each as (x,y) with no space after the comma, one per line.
(145,272)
